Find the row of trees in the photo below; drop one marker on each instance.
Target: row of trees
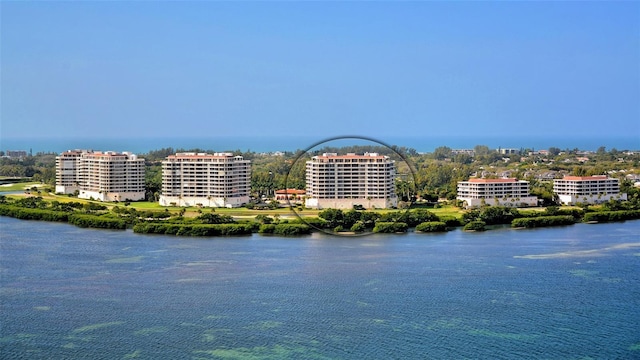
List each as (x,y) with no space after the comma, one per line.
(359,221)
(39,167)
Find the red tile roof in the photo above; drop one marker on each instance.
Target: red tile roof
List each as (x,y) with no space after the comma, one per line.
(291,192)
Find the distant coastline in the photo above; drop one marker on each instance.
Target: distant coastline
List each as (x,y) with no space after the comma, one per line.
(293,143)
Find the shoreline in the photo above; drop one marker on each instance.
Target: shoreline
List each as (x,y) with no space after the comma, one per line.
(260,145)
(313,229)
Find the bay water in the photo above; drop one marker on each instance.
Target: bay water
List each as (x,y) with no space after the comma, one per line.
(557,293)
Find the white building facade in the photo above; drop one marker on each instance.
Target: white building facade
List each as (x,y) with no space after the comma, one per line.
(103,176)
(496,192)
(342,181)
(596,189)
(207,180)
(68,172)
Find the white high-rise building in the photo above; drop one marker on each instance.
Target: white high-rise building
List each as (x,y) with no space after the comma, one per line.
(68,172)
(587,189)
(200,179)
(104,176)
(497,192)
(342,181)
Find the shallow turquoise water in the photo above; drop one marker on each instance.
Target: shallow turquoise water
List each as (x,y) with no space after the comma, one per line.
(563,293)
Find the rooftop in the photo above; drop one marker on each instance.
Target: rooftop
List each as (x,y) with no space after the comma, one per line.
(489,181)
(192,155)
(581,178)
(291,192)
(351,156)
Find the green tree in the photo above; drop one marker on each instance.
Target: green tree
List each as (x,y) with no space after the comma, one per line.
(579,171)
(212,218)
(442,152)
(264,219)
(463,159)
(418,216)
(492,215)
(350,217)
(359,226)
(369,218)
(334,217)
(153,182)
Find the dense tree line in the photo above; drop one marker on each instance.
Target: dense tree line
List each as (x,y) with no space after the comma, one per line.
(97,221)
(33,213)
(193,229)
(432,226)
(40,167)
(284,229)
(491,215)
(357,220)
(543,221)
(390,227)
(609,216)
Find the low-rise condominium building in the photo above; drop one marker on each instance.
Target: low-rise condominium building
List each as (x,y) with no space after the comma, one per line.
(342,181)
(104,176)
(15,154)
(497,192)
(290,196)
(208,180)
(503,151)
(596,189)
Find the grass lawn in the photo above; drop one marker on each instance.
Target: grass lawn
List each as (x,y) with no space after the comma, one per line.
(448,210)
(60,198)
(145,205)
(19,186)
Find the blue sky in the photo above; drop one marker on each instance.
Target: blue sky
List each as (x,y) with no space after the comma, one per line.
(211,69)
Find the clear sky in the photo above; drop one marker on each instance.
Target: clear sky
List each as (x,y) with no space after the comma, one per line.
(160,69)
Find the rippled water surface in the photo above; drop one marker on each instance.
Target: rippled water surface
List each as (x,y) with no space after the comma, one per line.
(562,293)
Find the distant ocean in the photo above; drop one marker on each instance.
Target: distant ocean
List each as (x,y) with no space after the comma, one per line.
(293,143)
